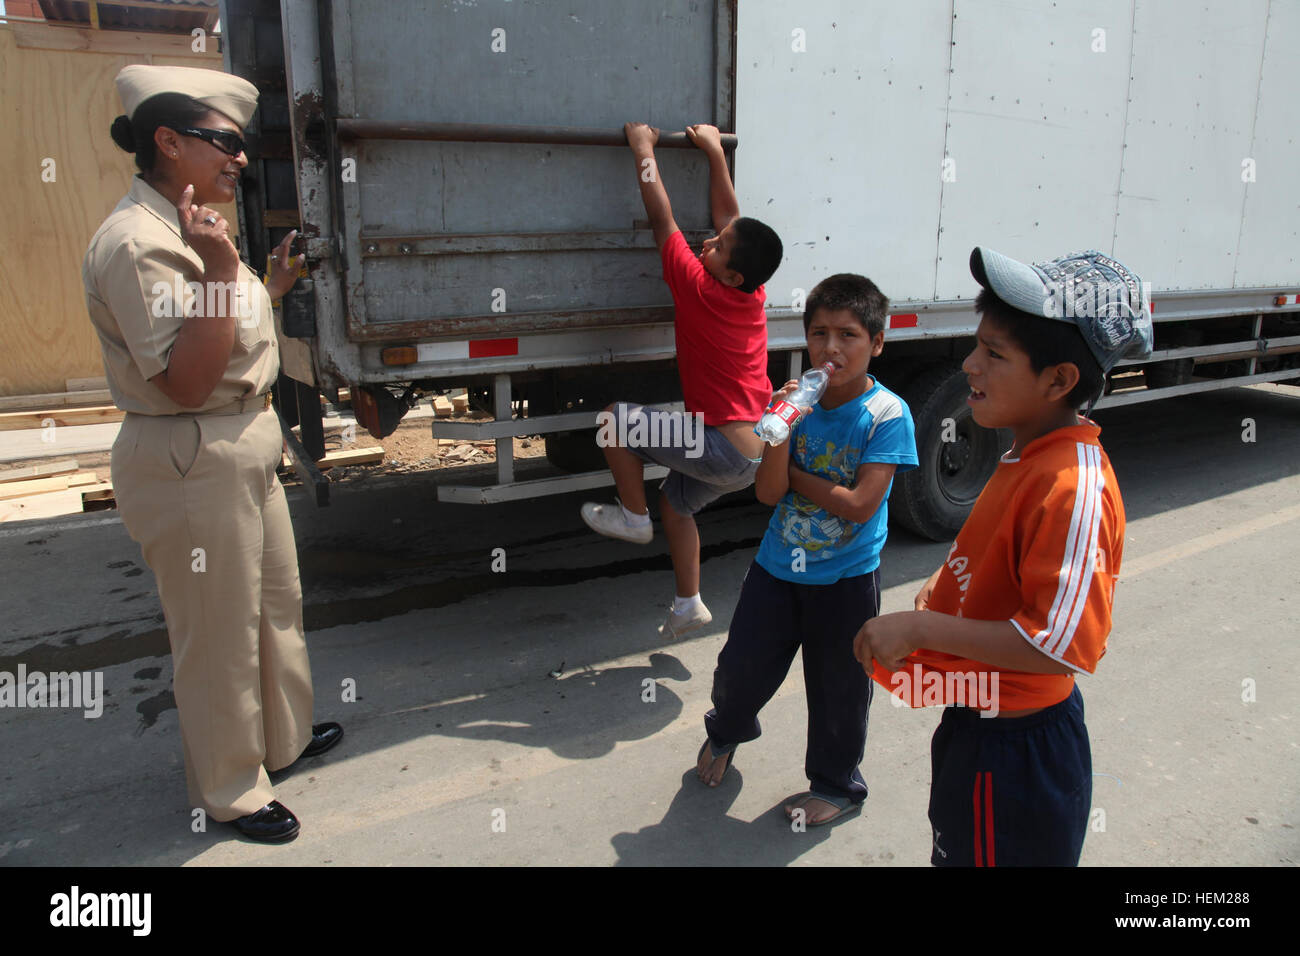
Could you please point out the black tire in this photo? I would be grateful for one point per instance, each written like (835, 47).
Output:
(1177, 371)
(934, 499)
(574, 451)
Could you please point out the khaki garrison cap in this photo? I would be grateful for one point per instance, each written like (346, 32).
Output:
(231, 95)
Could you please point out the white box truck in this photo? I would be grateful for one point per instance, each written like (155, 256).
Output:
(471, 218)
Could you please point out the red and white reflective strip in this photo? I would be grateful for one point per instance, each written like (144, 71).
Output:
(472, 349)
(903, 320)
(1287, 299)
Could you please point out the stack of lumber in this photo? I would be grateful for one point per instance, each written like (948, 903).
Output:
(370, 455)
(50, 489)
(444, 406)
(86, 402)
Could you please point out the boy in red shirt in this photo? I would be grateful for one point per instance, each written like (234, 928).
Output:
(1023, 601)
(721, 339)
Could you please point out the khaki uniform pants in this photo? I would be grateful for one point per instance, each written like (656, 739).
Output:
(200, 495)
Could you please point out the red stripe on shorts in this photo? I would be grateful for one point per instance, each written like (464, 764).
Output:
(988, 815)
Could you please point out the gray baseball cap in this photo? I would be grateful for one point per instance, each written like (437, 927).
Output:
(1103, 298)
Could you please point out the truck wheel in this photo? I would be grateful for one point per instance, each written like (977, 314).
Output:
(1177, 371)
(574, 451)
(934, 499)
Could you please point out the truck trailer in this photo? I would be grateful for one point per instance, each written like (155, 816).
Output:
(468, 210)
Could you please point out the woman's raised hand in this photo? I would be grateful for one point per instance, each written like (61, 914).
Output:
(204, 230)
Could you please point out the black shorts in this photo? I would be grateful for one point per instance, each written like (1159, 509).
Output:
(1013, 791)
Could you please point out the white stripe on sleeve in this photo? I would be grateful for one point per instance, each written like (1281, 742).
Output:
(1089, 565)
(1076, 571)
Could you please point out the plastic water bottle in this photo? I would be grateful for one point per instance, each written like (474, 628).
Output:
(774, 427)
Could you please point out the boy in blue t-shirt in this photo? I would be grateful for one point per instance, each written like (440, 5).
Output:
(817, 574)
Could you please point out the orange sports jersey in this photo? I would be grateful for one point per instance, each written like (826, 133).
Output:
(1041, 549)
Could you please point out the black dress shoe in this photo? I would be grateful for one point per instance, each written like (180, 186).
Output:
(274, 823)
(323, 737)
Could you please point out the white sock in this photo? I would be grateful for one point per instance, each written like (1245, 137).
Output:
(683, 604)
(635, 520)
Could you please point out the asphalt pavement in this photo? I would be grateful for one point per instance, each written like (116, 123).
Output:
(533, 715)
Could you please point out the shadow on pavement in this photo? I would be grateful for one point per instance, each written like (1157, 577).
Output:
(697, 831)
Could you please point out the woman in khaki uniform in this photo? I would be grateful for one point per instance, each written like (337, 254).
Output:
(190, 353)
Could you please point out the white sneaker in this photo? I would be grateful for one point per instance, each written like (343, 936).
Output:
(678, 624)
(610, 521)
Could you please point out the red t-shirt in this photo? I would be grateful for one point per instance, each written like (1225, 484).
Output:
(1041, 549)
(721, 337)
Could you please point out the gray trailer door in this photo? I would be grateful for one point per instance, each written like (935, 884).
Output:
(445, 222)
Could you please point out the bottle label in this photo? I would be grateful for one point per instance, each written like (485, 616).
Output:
(786, 412)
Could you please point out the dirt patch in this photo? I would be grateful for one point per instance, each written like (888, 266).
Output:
(413, 449)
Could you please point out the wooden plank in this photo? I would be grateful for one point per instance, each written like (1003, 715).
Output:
(92, 415)
(49, 36)
(14, 403)
(149, 5)
(42, 506)
(64, 466)
(442, 406)
(353, 456)
(86, 384)
(37, 486)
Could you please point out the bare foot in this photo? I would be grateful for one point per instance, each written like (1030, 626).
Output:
(816, 810)
(711, 769)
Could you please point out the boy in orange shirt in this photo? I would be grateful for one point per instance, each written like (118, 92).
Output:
(1023, 601)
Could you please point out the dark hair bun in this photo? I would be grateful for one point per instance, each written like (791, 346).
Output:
(122, 135)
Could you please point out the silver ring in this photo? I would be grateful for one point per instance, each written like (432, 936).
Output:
(275, 258)
(211, 220)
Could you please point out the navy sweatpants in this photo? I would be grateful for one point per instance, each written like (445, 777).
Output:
(773, 619)
(1012, 791)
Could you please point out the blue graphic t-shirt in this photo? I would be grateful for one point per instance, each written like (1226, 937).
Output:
(875, 426)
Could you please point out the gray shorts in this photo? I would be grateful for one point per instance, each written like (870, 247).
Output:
(703, 465)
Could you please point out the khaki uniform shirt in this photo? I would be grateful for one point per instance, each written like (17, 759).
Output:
(137, 272)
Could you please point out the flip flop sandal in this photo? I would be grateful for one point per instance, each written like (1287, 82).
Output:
(843, 807)
(731, 754)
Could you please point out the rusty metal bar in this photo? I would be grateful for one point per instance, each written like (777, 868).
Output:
(317, 485)
(355, 129)
(506, 323)
(477, 243)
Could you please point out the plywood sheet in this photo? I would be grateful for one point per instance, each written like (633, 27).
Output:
(58, 106)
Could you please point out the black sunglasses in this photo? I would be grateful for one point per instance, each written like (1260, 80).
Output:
(229, 143)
